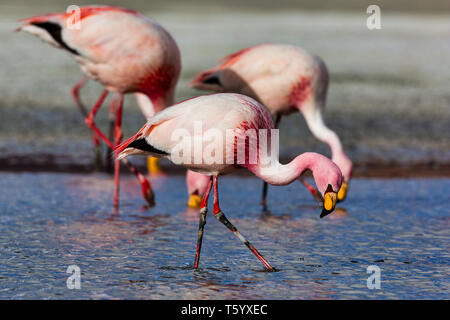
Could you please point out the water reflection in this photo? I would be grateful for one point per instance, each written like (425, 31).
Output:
(140, 252)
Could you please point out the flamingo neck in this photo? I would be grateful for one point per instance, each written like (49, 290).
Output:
(151, 105)
(276, 173)
(163, 101)
(314, 120)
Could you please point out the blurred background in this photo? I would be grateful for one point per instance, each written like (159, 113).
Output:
(389, 96)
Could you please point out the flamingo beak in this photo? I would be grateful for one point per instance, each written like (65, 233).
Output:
(194, 201)
(329, 203)
(342, 194)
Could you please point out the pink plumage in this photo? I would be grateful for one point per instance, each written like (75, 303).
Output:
(223, 113)
(196, 182)
(285, 79)
(124, 51)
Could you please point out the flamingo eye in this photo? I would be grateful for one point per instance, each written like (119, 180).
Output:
(212, 80)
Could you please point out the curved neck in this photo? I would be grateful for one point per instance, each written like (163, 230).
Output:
(276, 173)
(314, 120)
(313, 117)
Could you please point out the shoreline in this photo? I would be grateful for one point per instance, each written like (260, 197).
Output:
(59, 164)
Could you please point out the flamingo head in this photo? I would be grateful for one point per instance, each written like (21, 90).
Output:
(328, 178)
(209, 80)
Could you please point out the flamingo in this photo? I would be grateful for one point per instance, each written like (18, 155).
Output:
(124, 51)
(222, 113)
(285, 79)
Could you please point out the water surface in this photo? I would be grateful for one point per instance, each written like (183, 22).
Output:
(51, 221)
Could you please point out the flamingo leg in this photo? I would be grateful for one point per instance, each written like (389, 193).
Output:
(202, 222)
(91, 123)
(316, 194)
(145, 184)
(118, 135)
(146, 188)
(221, 217)
(112, 121)
(265, 185)
(76, 97)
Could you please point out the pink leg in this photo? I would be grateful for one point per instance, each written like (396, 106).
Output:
(91, 123)
(146, 188)
(76, 97)
(201, 226)
(112, 118)
(315, 193)
(118, 135)
(145, 184)
(221, 217)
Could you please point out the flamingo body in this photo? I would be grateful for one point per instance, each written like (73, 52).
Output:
(124, 51)
(120, 48)
(225, 112)
(285, 79)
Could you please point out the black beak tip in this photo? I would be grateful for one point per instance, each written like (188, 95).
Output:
(325, 212)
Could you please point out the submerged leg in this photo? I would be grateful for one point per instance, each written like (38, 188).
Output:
(221, 217)
(265, 185)
(201, 226)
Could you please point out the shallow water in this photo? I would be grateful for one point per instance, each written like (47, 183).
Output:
(51, 221)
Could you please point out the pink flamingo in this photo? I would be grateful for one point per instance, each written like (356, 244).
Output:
(222, 113)
(123, 50)
(285, 79)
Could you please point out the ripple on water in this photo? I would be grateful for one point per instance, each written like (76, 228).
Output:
(51, 221)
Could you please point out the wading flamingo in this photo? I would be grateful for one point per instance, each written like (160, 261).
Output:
(123, 50)
(222, 113)
(285, 79)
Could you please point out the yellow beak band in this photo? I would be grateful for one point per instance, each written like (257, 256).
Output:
(153, 165)
(329, 201)
(194, 201)
(343, 191)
